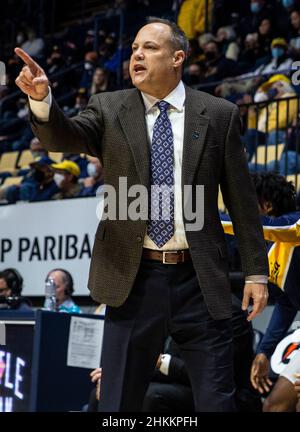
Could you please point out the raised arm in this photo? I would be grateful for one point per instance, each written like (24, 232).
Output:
(81, 134)
(32, 79)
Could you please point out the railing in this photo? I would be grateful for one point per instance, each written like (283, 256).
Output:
(280, 150)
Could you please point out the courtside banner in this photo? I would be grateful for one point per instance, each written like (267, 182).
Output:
(37, 237)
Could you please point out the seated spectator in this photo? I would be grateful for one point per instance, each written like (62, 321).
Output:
(100, 82)
(11, 286)
(226, 38)
(274, 118)
(283, 397)
(277, 203)
(260, 9)
(193, 73)
(36, 148)
(90, 64)
(294, 44)
(66, 175)
(247, 82)
(80, 103)
(64, 286)
(37, 185)
(265, 35)
(55, 61)
(45, 186)
(95, 180)
(34, 46)
(217, 66)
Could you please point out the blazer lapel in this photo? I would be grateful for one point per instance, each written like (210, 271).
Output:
(195, 129)
(132, 119)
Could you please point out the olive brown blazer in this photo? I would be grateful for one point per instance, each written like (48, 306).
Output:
(113, 128)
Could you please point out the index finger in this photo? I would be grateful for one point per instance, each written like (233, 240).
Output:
(26, 58)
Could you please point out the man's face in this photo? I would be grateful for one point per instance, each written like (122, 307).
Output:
(152, 59)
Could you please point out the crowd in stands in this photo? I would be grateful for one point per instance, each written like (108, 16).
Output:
(242, 52)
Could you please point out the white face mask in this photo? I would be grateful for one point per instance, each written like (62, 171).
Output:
(260, 97)
(91, 170)
(58, 178)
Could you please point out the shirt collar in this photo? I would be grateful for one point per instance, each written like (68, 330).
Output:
(176, 98)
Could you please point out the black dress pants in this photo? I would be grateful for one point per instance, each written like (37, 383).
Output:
(165, 300)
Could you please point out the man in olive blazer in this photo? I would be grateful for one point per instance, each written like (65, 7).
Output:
(115, 128)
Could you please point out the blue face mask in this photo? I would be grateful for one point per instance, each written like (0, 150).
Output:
(287, 3)
(272, 93)
(277, 52)
(255, 7)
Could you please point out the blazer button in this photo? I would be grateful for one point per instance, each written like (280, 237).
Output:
(139, 239)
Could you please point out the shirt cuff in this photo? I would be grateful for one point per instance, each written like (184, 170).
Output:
(257, 279)
(41, 109)
(165, 362)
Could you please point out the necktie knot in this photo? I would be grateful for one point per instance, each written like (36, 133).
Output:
(163, 106)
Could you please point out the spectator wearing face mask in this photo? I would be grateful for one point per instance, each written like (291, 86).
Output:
(37, 185)
(275, 117)
(66, 176)
(217, 66)
(280, 62)
(95, 180)
(44, 187)
(259, 10)
(226, 37)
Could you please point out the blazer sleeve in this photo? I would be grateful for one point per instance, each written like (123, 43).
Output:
(241, 201)
(80, 134)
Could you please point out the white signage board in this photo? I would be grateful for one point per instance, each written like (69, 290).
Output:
(38, 237)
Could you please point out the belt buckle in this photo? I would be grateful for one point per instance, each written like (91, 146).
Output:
(169, 252)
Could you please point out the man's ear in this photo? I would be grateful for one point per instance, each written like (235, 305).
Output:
(178, 58)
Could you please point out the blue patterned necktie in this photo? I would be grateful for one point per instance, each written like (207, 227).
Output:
(161, 205)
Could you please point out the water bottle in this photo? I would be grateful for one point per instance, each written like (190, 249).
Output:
(50, 297)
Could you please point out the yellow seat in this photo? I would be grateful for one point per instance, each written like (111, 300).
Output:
(295, 178)
(267, 153)
(25, 159)
(56, 156)
(8, 162)
(10, 181)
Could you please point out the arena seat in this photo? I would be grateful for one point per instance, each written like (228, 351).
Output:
(266, 154)
(10, 181)
(8, 162)
(25, 159)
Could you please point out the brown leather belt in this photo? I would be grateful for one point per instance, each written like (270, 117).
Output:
(167, 257)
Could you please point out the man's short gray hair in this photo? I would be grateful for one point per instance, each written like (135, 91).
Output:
(179, 40)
